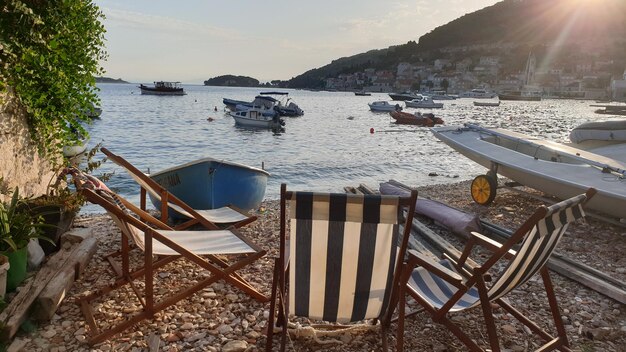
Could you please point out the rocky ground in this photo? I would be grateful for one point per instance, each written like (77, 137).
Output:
(222, 318)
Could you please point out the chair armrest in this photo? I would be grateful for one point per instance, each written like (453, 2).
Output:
(491, 244)
(416, 258)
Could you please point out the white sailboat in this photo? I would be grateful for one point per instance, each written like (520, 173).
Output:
(554, 168)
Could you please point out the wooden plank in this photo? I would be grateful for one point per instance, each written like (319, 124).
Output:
(366, 189)
(439, 243)
(53, 294)
(587, 279)
(17, 310)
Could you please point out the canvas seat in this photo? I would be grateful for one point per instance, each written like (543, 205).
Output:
(340, 260)
(442, 287)
(209, 218)
(153, 238)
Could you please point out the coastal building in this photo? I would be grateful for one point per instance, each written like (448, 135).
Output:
(618, 88)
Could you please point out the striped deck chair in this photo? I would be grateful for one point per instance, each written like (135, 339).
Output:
(342, 259)
(209, 218)
(161, 245)
(443, 287)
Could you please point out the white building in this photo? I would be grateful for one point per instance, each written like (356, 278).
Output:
(618, 88)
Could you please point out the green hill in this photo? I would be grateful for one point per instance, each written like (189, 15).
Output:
(584, 30)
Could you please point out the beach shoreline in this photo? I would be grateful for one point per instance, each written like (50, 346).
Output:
(219, 314)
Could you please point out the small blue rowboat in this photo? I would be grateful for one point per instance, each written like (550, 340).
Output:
(210, 184)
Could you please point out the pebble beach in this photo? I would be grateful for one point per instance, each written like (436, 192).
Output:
(222, 318)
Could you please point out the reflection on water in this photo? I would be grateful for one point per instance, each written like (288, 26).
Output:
(326, 149)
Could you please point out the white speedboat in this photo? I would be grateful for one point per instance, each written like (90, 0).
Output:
(553, 168)
(255, 117)
(424, 103)
(384, 106)
(478, 94)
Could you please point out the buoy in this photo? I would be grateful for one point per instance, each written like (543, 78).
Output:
(210, 119)
(195, 101)
(372, 130)
(215, 109)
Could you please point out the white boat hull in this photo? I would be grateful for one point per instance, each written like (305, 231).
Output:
(73, 150)
(544, 169)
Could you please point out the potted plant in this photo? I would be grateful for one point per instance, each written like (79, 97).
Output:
(17, 227)
(60, 205)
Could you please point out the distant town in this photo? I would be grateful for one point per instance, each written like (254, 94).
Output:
(584, 80)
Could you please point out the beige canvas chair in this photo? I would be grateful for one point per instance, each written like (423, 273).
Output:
(442, 288)
(340, 261)
(160, 245)
(209, 218)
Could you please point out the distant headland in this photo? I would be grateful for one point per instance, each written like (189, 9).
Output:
(109, 80)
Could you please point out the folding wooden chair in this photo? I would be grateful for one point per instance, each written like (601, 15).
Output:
(342, 259)
(444, 287)
(209, 218)
(169, 245)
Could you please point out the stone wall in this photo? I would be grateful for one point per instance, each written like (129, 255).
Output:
(20, 164)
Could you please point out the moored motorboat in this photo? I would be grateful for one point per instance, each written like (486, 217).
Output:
(256, 117)
(424, 102)
(478, 93)
(211, 183)
(362, 94)
(553, 168)
(404, 96)
(418, 119)
(75, 149)
(487, 103)
(163, 88)
(519, 96)
(384, 106)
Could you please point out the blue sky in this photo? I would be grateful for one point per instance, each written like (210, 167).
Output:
(193, 40)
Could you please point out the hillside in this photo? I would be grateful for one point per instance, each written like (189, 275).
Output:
(581, 28)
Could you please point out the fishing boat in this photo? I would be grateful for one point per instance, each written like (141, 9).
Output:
(384, 106)
(264, 100)
(424, 102)
(256, 117)
(550, 167)
(211, 183)
(418, 119)
(163, 88)
(487, 103)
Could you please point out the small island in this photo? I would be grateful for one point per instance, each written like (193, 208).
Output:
(109, 80)
(232, 81)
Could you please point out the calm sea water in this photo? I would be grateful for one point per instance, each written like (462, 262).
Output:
(326, 149)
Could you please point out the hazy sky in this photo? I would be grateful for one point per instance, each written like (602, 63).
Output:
(193, 40)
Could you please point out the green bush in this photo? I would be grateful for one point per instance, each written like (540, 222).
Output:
(49, 55)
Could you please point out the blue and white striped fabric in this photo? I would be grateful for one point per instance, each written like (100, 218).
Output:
(342, 251)
(437, 291)
(535, 250)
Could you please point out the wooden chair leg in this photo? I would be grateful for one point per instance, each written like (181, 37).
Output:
(554, 307)
(270, 321)
(401, 313)
(488, 314)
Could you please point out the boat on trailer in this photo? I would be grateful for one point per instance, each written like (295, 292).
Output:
(550, 167)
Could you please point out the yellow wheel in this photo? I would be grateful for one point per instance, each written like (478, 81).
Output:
(484, 189)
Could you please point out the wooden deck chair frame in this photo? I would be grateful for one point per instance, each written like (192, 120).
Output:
(282, 267)
(454, 276)
(218, 268)
(167, 199)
